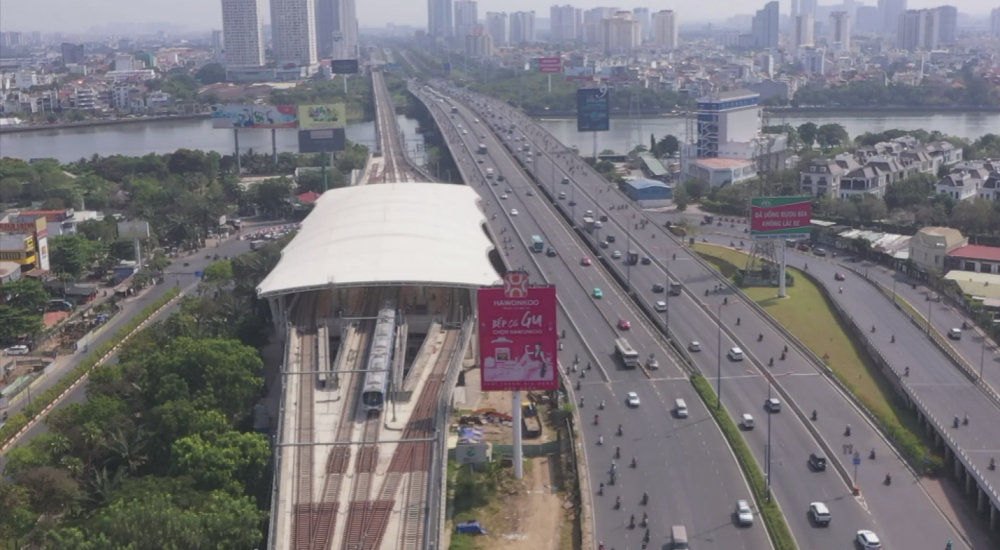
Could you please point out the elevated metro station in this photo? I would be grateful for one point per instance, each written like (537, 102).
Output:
(375, 299)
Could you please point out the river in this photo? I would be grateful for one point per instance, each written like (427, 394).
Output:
(137, 139)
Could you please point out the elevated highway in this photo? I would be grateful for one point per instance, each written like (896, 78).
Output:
(703, 492)
(692, 316)
(389, 163)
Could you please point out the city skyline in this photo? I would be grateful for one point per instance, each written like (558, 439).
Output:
(198, 15)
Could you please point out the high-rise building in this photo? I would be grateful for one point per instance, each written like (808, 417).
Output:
(795, 11)
(497, 28)
(439, 20)
(293, 32)
(665, 29)
(814, 61)
(808, 7)
(218, 46)
(72, 54)
(919, 30)
(478, 43)
(765, 26)
(995, 21)
(562, 21)
(243, 32)
(466, 17)
(889, 13)
(840, 31)
(802, 31)
(642, 16)
(867, 19)
(620, 32)
(593, 21)
(522, 27)
(726, 117)
(336, 29)
(947, 24)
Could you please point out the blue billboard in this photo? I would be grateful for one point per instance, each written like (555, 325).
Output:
(593, 109)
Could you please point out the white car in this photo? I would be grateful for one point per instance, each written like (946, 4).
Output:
(744, 515)
(735, 354)
(694, 346)
(868, 540)
(632, 399)
(616, 255)
(503, 197)
(513, 211)
(17, 350)
(465, 132)
(660, 306)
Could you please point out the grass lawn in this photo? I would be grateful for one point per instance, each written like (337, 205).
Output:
(813, 321)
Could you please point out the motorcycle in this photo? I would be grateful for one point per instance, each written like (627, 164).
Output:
(888, 479)
(601, 406)
(760, 337)
(645, 498)
(618, 452)
(871, 456)
(873, 329)
(620, 429)
(618, 503)
(848, 430)
(814, 415)
(631, 522)
(993, 464)
(634, 465)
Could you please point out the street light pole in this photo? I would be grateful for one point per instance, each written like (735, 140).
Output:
(718, 357)
(767, 455)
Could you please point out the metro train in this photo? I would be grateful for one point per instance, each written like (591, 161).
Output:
(379, 361)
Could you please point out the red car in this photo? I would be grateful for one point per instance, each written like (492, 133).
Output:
(623, 324)
(839, 277)
(585, 261)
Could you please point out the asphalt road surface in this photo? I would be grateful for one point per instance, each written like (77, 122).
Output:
(704, 497)
(887, 510)
(176, 275)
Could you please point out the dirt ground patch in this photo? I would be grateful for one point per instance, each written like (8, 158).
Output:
(531, 516)
(500, 432)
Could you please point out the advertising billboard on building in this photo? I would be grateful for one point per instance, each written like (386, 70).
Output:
(344, 66)
(322, 117)
(550, 64)
(517, 336)
(253, 116)
(133, 230)
(593, 109)
(780, 217)
(579, 74)
(616, 73)
(322, 141)
(43, 253)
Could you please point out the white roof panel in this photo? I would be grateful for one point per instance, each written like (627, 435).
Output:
(405, 233)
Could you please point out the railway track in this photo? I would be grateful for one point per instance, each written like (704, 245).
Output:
(305, 512)
(394, 167)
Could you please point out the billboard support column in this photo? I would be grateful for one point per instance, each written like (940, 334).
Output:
(781, 273)
(345, 84)
(274, 146)
(323, 171)
(518, 451)
(595, 149)
(550, 83)
(236, 139)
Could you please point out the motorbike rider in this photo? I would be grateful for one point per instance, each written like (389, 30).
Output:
(633, 462)
(620, 429)
(848, 430)
(601, 406)
(618, 452)
(814, 414)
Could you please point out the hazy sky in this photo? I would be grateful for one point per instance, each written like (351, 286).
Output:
(80, 15)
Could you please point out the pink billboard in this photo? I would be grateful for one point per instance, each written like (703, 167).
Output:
(518, 340)
(550, 64)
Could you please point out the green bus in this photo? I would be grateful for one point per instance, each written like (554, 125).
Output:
(537, 244)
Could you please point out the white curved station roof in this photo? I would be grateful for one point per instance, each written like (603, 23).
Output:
(402, 234)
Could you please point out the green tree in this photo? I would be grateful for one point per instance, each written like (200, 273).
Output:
(72, 254)
(973, 216)
(15, 322)
(910, 191)
(221, 374)
(831, 135)
(26, 294)
(50, 490)
(16, 516)
(695, 188)
(808, 133)
(272, 195)
(681, 198)
(231, 461)
(212, 73)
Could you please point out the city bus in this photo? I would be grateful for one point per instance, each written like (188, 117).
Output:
(537, 244)
(629, 356)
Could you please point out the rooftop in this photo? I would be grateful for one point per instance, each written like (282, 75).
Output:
(977, 252)
(722, 163)
(387, 234)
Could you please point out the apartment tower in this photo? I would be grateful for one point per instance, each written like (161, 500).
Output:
(243, 33)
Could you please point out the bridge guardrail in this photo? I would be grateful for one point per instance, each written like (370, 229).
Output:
(276, 480)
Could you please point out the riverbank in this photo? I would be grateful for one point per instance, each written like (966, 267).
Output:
(89, 123)
(571, 113)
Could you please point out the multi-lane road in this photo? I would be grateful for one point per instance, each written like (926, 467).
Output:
(888, 510)
(704, 497)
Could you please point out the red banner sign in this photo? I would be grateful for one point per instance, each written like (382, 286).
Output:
(518, 340)
(780, 217)
(550, 64)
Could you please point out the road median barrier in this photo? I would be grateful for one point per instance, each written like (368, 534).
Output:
(777, 527)
(43, 402)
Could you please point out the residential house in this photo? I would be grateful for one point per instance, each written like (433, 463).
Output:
(966, 181)
(822, 177)
(874, 178)
(931, 245)
(991, 188)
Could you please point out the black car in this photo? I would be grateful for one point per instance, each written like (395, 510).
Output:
(657, 288)
(551, 252)
(572, 203)
(817, 461)
(610, 238)
(501, 178)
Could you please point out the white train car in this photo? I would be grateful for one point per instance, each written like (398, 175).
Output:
(379, 360)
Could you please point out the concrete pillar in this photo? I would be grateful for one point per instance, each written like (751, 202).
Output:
(981, 499)
(956, 467)
(518, 451)
(937, 436)
(993, 517)
(970, 482)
